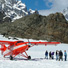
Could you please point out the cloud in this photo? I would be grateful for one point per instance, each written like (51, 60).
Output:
(48, 3)
(46, 12)
(57, 6)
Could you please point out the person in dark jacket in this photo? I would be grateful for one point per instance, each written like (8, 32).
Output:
(46, 54)
(57, 54)
(50, 55)
(60, 55)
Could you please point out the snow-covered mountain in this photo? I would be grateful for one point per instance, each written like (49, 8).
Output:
(15, 9)
(65, 12)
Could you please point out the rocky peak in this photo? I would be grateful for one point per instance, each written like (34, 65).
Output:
(57, 17)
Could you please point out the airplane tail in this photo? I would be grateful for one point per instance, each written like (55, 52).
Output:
(3, 48)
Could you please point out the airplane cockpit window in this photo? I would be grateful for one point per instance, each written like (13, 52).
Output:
(20, 41)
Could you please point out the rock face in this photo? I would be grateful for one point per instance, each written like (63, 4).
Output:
(52, 28)
(2, 15)
(3, 18)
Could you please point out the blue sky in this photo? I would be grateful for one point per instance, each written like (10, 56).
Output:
(37, 4)
(45, 7)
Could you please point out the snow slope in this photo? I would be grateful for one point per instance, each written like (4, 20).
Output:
(37, 54)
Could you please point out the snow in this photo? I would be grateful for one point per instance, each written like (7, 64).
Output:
(22, 4)
(33, 64)
(37, 54)
(65, 13)
(31, 11)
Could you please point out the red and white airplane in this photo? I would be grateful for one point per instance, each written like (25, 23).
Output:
(19, 47)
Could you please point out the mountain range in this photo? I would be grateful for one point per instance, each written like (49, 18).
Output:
(17, 21)
(53, 27)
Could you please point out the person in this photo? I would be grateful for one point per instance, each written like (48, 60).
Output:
(65, 55)
(60, 55)
(46, 54)
(50, 55)
(57, 54)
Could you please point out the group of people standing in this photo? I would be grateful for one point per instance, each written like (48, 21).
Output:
(59, 55)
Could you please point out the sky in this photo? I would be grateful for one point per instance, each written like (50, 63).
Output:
(45, 7)
(36, 4)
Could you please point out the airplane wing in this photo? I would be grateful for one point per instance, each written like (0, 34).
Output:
(45, 43)
(42, 43)
(35, 43)
(7, 42)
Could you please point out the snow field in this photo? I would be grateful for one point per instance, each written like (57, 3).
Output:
(38, 57)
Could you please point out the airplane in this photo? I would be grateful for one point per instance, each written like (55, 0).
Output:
(19, 47)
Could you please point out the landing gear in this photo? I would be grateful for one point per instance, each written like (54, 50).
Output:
(11, 58)
(29, 57)
(25, 55)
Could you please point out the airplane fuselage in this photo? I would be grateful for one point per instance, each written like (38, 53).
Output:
(15, 50)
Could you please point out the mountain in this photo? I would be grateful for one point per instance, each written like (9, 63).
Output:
(15, 9)
(51, 28)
